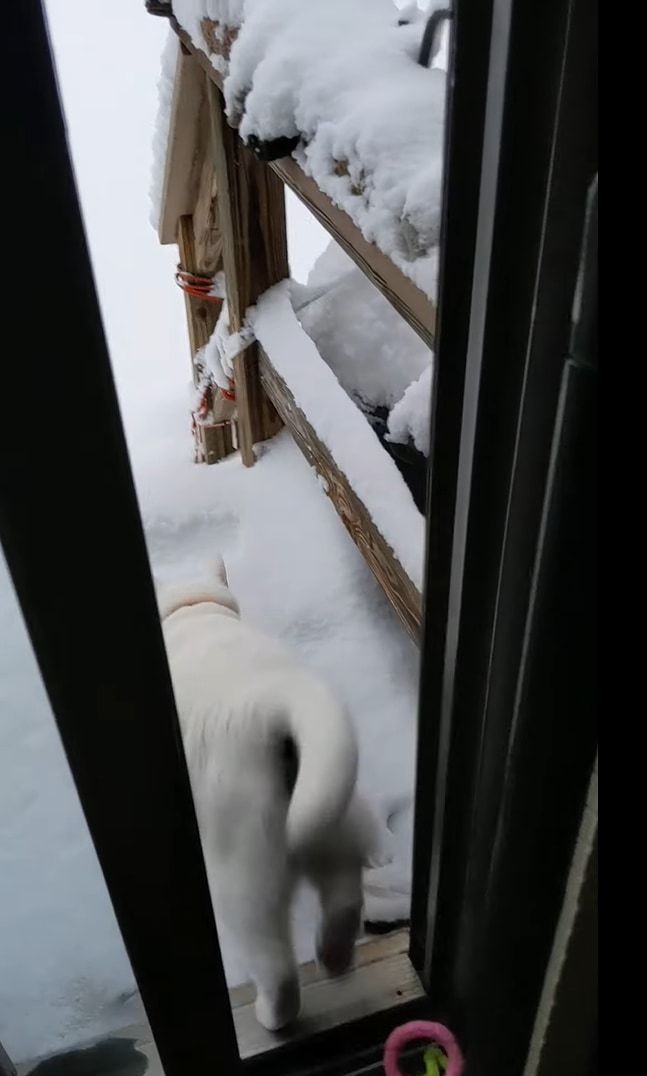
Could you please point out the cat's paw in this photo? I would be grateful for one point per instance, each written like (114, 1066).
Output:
(281, 1008)
(336, 939)
(378, 857)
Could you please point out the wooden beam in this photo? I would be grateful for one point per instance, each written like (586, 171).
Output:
(393, 579)
(199, 56)
(410, 302)
(201, 315)
(189, 217)
(206, 228)
(200, 247)
(215, 437)
(186, 127)
(255, 256)
(382, 978)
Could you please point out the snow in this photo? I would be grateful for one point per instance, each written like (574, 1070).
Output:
(224, 13)
(297, 575)
(341, 427)
(375, 356)
(165, 85)
(410, 419)
(343, 75)
(64, 974)
(371, 349)
(306, 238)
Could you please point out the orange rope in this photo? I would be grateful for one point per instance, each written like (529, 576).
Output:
(197, 286)
(200, 288)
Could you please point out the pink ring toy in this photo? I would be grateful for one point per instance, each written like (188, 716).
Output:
(422, 1029)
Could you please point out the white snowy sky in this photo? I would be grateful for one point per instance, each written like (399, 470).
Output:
(107, 63)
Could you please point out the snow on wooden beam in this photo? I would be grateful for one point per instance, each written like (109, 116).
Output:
(200, 57)
(410, 302)
(391, 576)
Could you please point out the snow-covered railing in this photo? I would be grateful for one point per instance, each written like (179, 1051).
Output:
(406, 297)
(358, 476)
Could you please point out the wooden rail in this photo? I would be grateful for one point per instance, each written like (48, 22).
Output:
(409, 301)
(393, 579)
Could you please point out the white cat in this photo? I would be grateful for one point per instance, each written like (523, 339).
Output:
(273, 763)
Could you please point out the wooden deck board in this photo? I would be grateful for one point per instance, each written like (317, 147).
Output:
(381, 979)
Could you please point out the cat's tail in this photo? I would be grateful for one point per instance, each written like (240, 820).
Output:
(327, 764)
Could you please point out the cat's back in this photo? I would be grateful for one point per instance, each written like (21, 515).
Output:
(202, 637)
(224, 677)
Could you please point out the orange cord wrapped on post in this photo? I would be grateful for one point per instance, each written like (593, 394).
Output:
(201, 287)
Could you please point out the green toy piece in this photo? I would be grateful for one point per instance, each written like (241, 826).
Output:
(435, 1061)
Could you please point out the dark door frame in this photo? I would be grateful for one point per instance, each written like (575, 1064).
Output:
(507, 702)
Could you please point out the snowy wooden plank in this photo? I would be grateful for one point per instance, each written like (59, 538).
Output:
(382, 979)
(255, 256)
(340, 425)
(410, 302)
(378, 554)
(201, 57)
(187, 128)
(206, 227)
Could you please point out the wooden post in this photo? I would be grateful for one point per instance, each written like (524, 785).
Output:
(201, 254)
(189, 216)
(201, 315)
(254, 246)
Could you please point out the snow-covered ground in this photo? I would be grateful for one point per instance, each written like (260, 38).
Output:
(64, 975)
